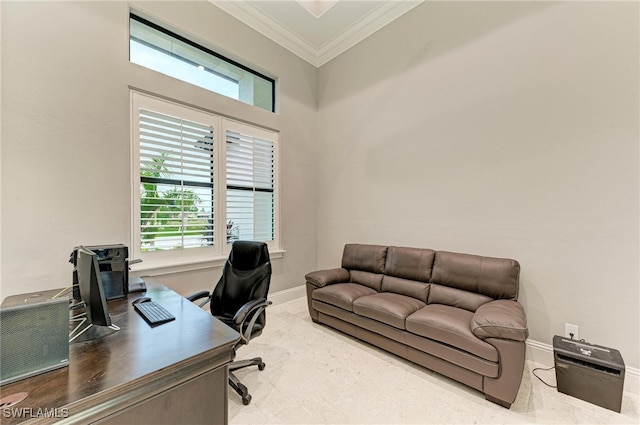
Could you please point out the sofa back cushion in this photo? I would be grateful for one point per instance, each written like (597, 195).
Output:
(372, 280)
(411, 288)
(366, 258)
(408, 271)
(494, 277)
(365, 264)
(409, 263)
(440, 294)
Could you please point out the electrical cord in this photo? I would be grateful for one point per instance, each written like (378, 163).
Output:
(63, 291)
(542, 380)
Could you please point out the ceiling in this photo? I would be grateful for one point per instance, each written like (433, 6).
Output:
(316, 30)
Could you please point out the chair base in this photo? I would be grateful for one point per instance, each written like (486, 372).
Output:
(235, 383)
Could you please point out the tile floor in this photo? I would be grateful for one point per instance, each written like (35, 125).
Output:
(316, 375)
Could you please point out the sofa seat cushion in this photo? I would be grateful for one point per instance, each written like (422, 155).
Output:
(342, 294)
(452, 326)
(387, 307)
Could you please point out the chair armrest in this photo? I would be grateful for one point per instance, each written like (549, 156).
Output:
(503, 319)
(251, 309)
(245, 310)
(322, 278)
(198, 295)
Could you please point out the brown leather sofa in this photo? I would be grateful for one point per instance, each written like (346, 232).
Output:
(456, 314)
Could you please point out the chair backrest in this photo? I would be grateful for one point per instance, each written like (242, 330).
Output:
(246, 276)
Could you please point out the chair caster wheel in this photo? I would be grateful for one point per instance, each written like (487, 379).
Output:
(261, 366)
(246, 399)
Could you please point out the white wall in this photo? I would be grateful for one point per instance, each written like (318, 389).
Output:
(502, 129)
(66, 133)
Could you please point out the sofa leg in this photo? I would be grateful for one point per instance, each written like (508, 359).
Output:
(498, 402)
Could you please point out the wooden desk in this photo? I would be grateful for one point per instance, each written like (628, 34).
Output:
(173, 373)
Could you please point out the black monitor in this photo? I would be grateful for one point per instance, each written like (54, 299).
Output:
(91, 289)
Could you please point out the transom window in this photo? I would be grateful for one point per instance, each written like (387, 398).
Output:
(157, 48)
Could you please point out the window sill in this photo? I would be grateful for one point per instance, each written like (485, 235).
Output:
(151, 268)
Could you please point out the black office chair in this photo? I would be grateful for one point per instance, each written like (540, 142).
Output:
(239, 300)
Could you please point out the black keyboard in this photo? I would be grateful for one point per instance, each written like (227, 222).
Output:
(153, 313)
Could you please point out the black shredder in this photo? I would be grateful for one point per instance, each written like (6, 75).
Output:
(589, 372)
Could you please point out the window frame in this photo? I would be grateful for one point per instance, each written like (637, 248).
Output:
(196, 257)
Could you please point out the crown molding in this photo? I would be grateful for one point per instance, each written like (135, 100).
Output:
(268, 27)
(317, 8)
(362, 29)
(278, 33)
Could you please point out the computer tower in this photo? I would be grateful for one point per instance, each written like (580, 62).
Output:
(34, 335)
(589, 372)
(114, 270)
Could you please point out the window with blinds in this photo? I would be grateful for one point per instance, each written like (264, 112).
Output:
(250, 187)
(180, 156)
(176, 182)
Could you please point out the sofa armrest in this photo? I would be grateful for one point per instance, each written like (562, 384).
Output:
(503, 319)
(322, 278)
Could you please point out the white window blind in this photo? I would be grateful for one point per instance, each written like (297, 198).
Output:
(250, 171)
(176, 182)
(180, 156)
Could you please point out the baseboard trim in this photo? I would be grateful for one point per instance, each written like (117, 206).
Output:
(543, 354)
(286, 295)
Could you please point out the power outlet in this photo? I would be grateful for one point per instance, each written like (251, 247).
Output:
(571, 331)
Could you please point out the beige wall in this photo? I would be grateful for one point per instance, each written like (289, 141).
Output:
(501, 129)
(66, 133)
